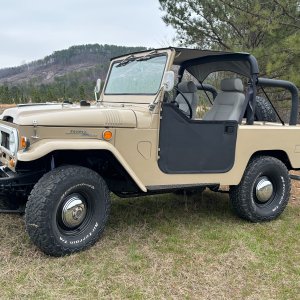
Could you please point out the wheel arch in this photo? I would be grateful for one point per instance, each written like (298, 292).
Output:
(279, 154)
(96, 155)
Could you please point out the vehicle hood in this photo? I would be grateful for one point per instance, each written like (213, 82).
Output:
(70, 115)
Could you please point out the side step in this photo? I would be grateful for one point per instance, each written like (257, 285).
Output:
(295, 177)
(12, 211)
(10, 208)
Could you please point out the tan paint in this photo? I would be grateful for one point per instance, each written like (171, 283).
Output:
(44, 147)
(144, 148)
(250, 139)
(144, 168)
(48, 115)
(136, 135)
(297, 149)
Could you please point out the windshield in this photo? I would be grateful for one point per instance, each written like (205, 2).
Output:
(140, 77)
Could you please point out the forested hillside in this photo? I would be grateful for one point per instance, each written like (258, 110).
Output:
(66, 74)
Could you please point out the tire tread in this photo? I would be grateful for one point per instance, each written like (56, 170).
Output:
(36, 211)
(239, 195)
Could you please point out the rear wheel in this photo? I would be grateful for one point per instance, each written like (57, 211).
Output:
(67, 210)
(264, 190)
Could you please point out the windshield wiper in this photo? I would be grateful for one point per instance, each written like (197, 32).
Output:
(148, 56)
(131, 58)
(125, 61)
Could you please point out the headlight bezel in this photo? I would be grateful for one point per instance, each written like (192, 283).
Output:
(12, 132)
(12, 143)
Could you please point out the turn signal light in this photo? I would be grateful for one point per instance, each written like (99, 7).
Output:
(25, 143)
(12, 163)
(107, 135)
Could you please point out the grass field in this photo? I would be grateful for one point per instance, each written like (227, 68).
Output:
(162, 247)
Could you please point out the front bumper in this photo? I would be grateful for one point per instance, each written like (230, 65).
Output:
(11, 182)
(14, 189)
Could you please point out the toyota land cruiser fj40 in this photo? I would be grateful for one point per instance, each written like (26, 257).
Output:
(148, 133)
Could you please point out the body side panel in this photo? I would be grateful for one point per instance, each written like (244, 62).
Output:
(250, 139)
(137, 151)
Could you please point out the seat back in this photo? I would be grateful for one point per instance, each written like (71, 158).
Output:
(189, 90)
(229, 103)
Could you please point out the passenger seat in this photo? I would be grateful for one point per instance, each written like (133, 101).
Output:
(229, 104)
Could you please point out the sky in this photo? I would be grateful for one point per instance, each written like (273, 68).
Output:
(32, 29)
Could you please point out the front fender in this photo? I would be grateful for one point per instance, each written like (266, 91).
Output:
(44, 147)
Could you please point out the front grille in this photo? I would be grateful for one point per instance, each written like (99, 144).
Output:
(5, 140)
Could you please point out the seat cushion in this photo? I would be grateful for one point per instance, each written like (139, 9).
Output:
(229, 104)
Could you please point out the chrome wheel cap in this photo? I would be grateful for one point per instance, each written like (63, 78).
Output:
(264, 189)
(74, 211)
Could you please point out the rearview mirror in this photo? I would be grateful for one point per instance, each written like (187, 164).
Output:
(169, 81)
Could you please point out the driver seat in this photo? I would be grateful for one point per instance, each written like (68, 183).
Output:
(229, 104)
(189, 90)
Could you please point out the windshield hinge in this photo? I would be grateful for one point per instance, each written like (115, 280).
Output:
(153, 104)
(35, 124)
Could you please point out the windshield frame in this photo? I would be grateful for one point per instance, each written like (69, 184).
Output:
(134, 59)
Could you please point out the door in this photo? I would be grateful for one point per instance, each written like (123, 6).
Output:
(195, 146)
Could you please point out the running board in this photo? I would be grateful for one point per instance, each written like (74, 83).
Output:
(9, 208)
(294, 177)
(12, 211)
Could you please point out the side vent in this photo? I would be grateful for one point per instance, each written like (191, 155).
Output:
(112, 118)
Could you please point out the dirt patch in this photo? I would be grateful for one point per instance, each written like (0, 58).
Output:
(5, 106)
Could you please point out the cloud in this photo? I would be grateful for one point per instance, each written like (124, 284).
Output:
(32, 29)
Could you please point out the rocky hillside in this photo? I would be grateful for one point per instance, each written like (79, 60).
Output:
(66, 74)
(76, 58)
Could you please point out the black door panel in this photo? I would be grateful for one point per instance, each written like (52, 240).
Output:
(191, 146)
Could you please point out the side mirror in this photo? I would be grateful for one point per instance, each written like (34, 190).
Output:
(169, 81)
(97, 88)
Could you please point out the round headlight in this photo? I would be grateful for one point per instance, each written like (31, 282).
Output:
(12, 143)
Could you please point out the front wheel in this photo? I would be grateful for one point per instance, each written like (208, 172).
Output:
(67, 210)
(264, 190)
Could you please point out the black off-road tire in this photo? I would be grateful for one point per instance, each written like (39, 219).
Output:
(264, 110)
(244, 197)
(44, 214)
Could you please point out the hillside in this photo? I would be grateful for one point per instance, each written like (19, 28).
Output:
(69, 73)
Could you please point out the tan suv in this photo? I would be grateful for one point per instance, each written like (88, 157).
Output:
(145, 135)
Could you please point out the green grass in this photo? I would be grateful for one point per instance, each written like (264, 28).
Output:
(162, 247)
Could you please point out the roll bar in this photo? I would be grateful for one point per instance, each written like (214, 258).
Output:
(208, 88)
(265, 82)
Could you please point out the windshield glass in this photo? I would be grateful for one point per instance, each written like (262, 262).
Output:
(136, 76)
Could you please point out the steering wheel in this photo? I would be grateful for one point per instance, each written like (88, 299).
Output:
(187, 102)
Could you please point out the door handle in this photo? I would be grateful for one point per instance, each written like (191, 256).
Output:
(229, 129)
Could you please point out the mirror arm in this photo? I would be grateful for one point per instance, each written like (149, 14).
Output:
(97, 89)
(96, 98)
